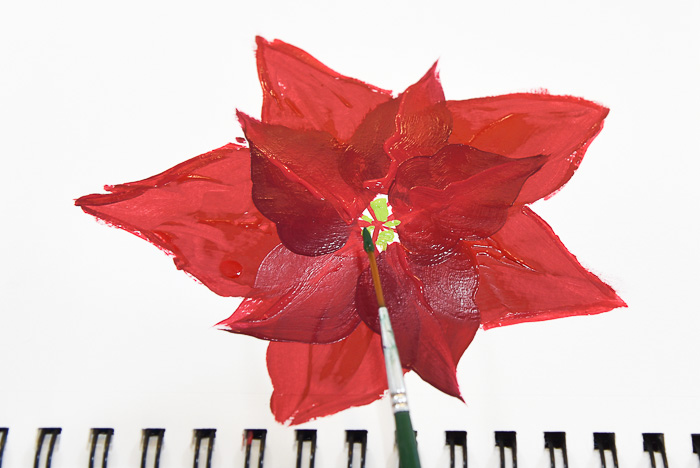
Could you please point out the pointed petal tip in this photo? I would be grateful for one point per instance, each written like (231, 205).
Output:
(446, 384)
(434, 68)
(243, 117)
(247, 122)
(452, 389)
(597, 309)
(222, 326)
(619, 302)
(432, 74)
(262, 44)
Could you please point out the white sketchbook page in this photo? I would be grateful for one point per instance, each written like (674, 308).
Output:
(98, 329)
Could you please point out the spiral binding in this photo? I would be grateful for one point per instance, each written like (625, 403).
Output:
(306, 445)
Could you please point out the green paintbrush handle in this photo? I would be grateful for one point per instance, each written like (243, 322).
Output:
(405, 437)
(406, 441)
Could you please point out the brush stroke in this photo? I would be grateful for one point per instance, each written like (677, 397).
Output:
(279, 224)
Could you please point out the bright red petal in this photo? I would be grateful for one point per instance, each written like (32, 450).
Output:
(423, 123)
(201, 212)
(298, 185)
(526, 274)
(300, 92)
(311, 381)
(303, 299)
(458, 193)
(431, 308)
(522, 125)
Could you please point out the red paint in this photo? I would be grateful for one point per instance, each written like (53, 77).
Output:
(460, 193)
(278, 224)
(303, 298)
(432, 311)
(423, 122)
(522, 125)
(311, 381)
(526, 274)
(230, 268)
(300, 92)
(201, 213)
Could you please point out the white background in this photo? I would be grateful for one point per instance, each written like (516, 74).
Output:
(98, 329)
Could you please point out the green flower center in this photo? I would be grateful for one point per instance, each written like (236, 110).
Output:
(380, 222)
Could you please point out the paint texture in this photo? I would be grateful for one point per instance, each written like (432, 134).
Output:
(278, 223)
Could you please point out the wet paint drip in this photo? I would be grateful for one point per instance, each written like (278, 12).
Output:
(444, 187)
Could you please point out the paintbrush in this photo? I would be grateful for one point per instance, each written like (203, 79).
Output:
(405, 437)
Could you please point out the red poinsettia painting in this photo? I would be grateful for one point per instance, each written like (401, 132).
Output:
(444, 187)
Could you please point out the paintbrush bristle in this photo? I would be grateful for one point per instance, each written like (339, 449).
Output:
(367, 240)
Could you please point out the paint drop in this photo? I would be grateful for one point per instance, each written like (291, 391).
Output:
(230, 268)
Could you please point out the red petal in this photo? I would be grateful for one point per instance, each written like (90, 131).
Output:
(366, 163)
(526, 274)
(201, 212)
(300, 92)
(477, 207)
(431, 308)
(459, 193)
(450, 288)
(419, 235)
(311, 381)
(305, 224)
(423, 123)
(303, 299)
(522, 125)
(298, 185)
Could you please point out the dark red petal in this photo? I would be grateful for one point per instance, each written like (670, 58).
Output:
(526, 274)
(305, 224)
(303, 299)
(309, 158)
(297, 184)
(366, 163)
(478, 206)
(311, 381)
(420, 236)
(522, 125)
(201, 212)
(431, 308)
(300, 92)
(458, 193)
(423, 123)
(450, 288)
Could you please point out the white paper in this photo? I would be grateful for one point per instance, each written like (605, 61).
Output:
(98, 329)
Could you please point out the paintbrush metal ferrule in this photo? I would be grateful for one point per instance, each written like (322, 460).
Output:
(394, 370)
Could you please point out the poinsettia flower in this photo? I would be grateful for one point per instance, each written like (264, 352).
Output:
(444, 187)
